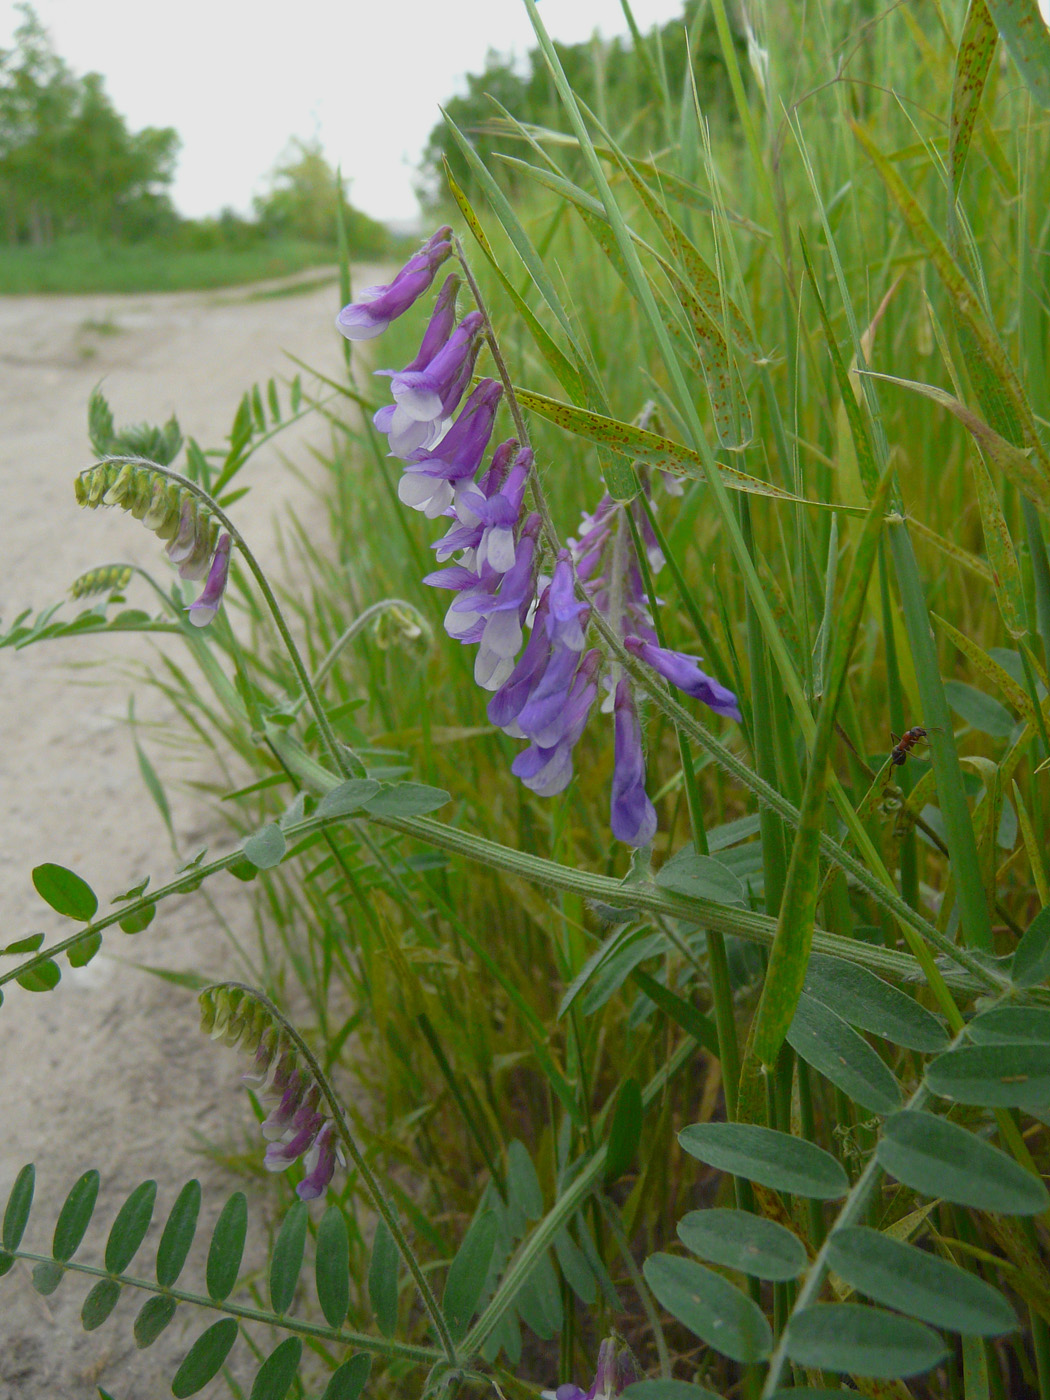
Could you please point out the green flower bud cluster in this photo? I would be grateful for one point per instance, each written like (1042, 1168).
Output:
(107, 578)
(174, 514)
(235, 1015)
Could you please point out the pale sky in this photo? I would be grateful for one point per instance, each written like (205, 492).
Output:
(237, 80)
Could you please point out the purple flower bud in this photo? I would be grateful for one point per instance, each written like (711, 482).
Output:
(203, 609)
(682, 671)
(617, 1369)
(633, 818)
(439, 327)
(365, 319)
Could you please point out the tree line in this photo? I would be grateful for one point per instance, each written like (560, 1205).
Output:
(69, 164)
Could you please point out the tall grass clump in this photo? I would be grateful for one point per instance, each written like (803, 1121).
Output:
(701, 1049)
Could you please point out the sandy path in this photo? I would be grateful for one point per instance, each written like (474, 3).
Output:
(110, 1071)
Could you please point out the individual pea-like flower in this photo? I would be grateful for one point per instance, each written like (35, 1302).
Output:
(684, 672)
(299, 1125)
(616, 1370)
(429, 480)
(365, 319)
(203, 609)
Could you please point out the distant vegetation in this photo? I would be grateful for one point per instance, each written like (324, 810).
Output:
(85, 202)
(628, 74)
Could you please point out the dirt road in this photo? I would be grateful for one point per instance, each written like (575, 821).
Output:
(110, 1070)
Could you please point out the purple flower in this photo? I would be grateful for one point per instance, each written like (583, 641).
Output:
(617, 1369)
(427, 482)
(423, 394)
(633, 817)
(546, 767)
(513, 695)
(682, 671)
(365, 319)
(319, 1163)
(203, 609)
(566, 609)
(496, 511)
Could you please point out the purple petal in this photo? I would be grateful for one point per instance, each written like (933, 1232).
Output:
(633, 817)
(203, 609)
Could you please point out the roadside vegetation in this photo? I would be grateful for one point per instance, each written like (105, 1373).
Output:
(749, 1099)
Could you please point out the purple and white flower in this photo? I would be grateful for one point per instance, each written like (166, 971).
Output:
(369, 317)
(203, 609)
(427, 484)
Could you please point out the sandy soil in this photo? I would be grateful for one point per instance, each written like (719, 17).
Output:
(109, 1070)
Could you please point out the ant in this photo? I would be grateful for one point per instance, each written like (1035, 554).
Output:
(904, 745)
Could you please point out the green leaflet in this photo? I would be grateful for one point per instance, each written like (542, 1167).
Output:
(75, 1216)
(227, 1247)
(332, 1266)
(710, 1307)
(178, 1233)
(838, 1052)
(129, 1229)
(858, 1341)
(942, 1160)
(287, 1257)
(773, 1159)
(736, 1239)
(918, 1283)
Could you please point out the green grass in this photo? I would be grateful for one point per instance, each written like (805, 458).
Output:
(72, 266)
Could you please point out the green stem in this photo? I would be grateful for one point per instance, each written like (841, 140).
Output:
(356, 1341)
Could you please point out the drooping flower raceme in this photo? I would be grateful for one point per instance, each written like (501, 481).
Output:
(544, 682)
(299, 1127)
(175, 515)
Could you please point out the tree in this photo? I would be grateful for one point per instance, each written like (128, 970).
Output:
(68, 162)
(301, 203)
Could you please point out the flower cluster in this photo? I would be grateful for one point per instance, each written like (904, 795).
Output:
(176, 516)
(543, 688)
(298, 1125)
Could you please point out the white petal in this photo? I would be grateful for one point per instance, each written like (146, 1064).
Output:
(503, 633)
(490, 669)
(499, 547)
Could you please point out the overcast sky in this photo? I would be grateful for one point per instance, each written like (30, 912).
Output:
(237, 80)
